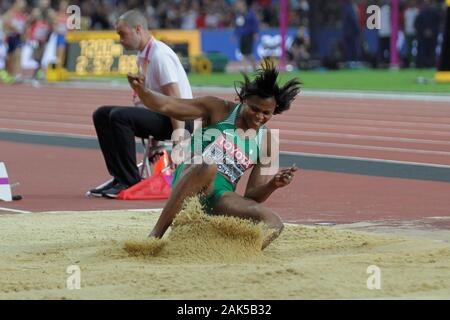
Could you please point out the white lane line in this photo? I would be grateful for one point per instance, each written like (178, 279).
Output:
(295, 120)
(47, 133)
(101, 211)
(372, 117)
(361, 137)
(145, 210)
(361, 147)
(318, 155)
(374, 105)
(46, 123)
(377, 95)
(343, 114)
(285, 123)
(342, 94)
(362, 129)
(14, 210)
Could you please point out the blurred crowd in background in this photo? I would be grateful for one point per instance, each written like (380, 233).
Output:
(176, 14)
(421, 24)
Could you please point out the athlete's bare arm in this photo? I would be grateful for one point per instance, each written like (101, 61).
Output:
(210, 109)
(260, 186)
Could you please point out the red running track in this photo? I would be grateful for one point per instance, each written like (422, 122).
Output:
(55, 178)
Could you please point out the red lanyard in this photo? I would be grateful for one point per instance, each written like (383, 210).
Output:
(144, 66)
(147, 56)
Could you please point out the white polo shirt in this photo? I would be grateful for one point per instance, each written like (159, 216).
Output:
(163, 67)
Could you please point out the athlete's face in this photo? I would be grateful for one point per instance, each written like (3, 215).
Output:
(129, 37)
(257, 111)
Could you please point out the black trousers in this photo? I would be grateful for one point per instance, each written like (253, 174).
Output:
(117, 128)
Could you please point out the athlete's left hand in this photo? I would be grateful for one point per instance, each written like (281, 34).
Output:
(284, 177)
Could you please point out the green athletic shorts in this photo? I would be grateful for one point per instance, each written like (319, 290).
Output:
(221, 185)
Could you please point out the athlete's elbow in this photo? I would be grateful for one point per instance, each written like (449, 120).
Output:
(176, 112)
(164, 109)
(253, 196)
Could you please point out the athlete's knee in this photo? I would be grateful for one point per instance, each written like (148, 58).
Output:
(203, 173)
(267, 215)
(276, 221)
(206, 171)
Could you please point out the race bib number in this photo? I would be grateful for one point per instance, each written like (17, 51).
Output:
(230, 159)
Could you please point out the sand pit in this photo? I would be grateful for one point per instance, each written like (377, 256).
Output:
(209, 258)
(197, 237)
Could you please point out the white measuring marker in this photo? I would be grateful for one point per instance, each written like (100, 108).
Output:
(5, 187)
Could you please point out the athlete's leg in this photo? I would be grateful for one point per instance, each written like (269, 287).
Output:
(193, 180)
(232, 204)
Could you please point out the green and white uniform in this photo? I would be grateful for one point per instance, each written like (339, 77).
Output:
(220, 144)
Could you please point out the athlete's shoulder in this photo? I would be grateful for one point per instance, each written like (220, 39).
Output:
(216, 103)
(230, 105)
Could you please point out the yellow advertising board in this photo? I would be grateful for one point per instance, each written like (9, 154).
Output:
(99, 53)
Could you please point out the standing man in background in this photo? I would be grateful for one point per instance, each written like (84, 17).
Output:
(427, 27)
(118, 126)
(15, 24)
(60, 28)
(411, 13)
(4, 76)
(41, 27)
(350, 31)
(384, 35)
(246, 31)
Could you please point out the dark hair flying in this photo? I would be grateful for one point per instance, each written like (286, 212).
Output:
(265, 86)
